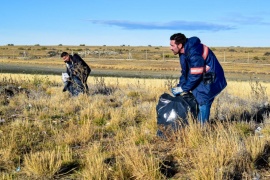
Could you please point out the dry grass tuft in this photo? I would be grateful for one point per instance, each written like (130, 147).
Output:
(45, 164)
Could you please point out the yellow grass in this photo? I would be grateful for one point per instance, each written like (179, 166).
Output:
(237, 88)
(113, 136)
(94, 166)
(46, 163)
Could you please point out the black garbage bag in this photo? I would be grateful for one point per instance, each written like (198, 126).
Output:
(174, 111)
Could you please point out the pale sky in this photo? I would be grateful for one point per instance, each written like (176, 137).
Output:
(244, 23)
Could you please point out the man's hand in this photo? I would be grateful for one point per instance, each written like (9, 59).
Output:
(65, 77)
(177, 91)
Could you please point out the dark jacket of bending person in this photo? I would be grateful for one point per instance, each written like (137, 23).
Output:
(78, 70)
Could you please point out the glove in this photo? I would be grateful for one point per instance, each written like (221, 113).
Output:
(65, 77)
(177, 91)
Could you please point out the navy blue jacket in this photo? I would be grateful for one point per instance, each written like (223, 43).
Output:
(193, 66)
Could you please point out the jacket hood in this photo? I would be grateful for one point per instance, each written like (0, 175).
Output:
(192, 42)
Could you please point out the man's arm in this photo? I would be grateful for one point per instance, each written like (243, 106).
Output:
(194, 76)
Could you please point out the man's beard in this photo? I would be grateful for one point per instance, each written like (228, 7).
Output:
(178, 52)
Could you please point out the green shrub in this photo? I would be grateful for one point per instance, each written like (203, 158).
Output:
(267, 54)
(256, 58)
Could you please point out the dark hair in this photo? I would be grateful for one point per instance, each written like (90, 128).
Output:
(179, 38)
(64, 54)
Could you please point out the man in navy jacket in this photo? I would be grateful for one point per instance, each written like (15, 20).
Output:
(202, 74)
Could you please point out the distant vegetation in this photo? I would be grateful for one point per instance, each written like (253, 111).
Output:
(267, 54)
(224, 54)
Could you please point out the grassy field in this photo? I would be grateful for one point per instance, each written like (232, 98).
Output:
(111, 132)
